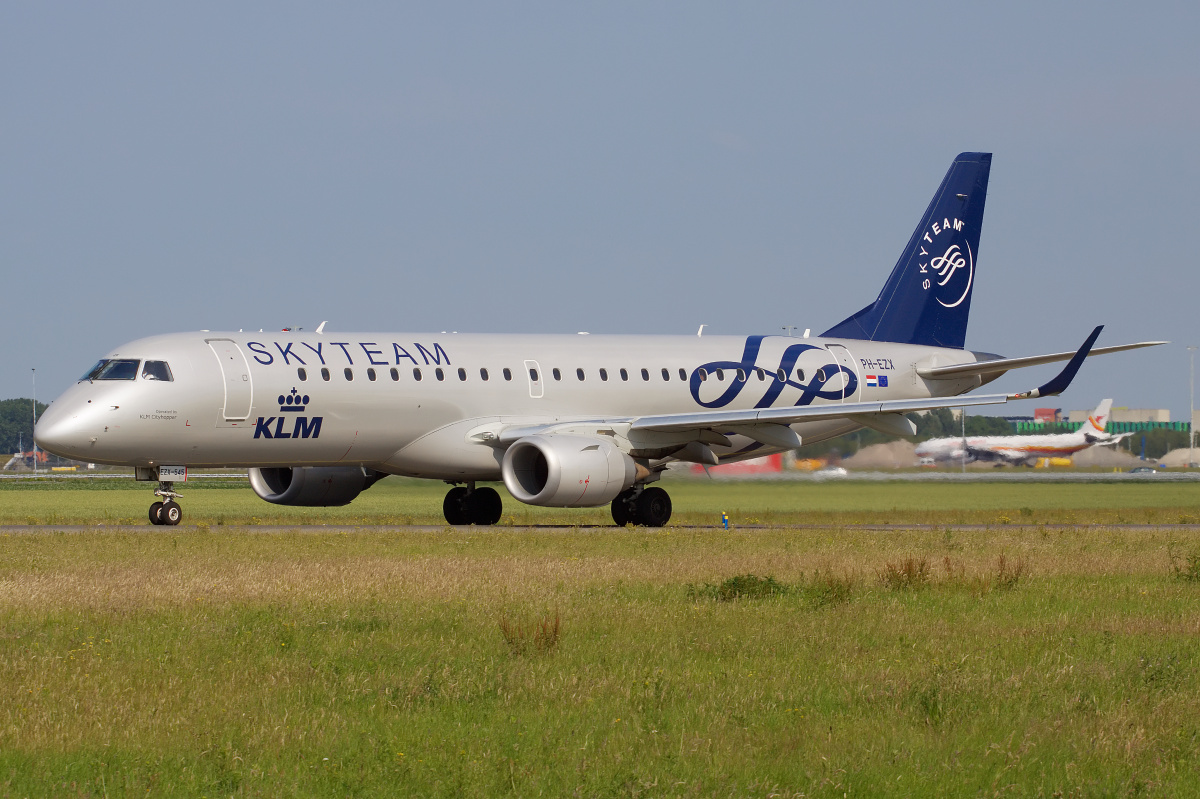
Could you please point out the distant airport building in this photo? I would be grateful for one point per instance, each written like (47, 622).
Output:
(1122, 420)
(1126, 415)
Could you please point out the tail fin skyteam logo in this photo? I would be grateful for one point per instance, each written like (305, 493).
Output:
(950, 270)
(291, 403)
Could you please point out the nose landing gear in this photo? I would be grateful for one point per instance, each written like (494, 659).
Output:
(168, 512)
(470, 505)
(643, 507)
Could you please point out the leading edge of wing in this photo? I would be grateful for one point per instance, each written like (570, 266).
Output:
(808, 413)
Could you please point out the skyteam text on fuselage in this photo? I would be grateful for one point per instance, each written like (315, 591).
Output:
(566, 421)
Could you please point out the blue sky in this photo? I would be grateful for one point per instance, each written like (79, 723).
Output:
(623, 168)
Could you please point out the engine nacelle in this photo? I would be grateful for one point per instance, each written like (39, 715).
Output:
(566, 471)
(315, 486)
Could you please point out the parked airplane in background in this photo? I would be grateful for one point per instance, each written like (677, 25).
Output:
(1018, 450)
(564, 421)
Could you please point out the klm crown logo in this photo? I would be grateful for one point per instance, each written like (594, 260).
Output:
(291, 403)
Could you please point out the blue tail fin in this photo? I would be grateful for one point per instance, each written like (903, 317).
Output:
(927, 298)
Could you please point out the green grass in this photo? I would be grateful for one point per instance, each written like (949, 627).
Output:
(235, 662)
(398, 501)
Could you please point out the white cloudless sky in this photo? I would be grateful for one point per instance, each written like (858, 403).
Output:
(616, 168)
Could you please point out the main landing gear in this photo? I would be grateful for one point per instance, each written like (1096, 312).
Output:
(642, 506)
(470, 505)
(168, 512)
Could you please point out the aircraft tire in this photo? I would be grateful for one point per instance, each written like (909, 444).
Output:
(623, 509)
(156, 513)
(171, 513)
(654, 507)
(486, 506)
(455, 507)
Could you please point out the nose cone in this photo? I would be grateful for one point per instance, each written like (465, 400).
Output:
(59, 431)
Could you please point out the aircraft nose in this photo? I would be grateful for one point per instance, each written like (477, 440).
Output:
(60, 433)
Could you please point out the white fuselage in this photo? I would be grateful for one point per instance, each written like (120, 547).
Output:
(1009, 449)
(238, 399)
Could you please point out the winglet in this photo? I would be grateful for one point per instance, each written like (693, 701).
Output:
(1059, 383)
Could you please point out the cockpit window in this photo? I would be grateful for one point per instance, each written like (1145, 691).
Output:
(115, 369)
(157, 370)
(90, 374)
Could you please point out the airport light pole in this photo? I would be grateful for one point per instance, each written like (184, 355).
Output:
(35, 419)
(1191, 408)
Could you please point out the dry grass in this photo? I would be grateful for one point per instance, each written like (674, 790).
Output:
(234, 662)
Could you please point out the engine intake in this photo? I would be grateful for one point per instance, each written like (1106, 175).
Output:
(314, 486)
(566, 471)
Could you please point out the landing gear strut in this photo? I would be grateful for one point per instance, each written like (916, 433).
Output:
(470, 505)
(167, 512)
(643, 507)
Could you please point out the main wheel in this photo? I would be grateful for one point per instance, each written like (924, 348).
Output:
(171, 513)
(654, 507)
(486, 506)
(455, 507)
(623, 510)
(156, 513)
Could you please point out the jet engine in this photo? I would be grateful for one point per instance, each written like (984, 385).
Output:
(566, 471)
(316, 486)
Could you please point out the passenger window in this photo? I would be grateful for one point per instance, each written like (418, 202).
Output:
(439, 374)
(703, 373)
(800, 375)
(557, 374)
(821, 375)
(645, 375)
(507, 374)
(720, 374)
(761, 375)
(579, 373)
(462, 373)
(300, 373)
(624, 375)
(604, 374)
(157, 370)
(483, 375)
(324, 373)
(683, 374)
(741, 375)
(371, 375)
(417, 375)
(666, 374)
(781, 375)
(395, 373)
(349, 373)
(533, 375)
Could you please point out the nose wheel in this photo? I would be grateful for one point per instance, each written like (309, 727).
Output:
(169, 512)
(470, 505)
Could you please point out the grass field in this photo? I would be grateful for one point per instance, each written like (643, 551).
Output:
(227, 660)
(399, 501)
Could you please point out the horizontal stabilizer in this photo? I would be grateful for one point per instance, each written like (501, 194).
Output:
(999, 366)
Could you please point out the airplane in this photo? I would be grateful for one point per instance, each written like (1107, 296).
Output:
(563, 420)
(1023, 450)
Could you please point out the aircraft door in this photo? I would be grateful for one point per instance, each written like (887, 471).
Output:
(850, 383)
(534, 373)
(235, 370)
